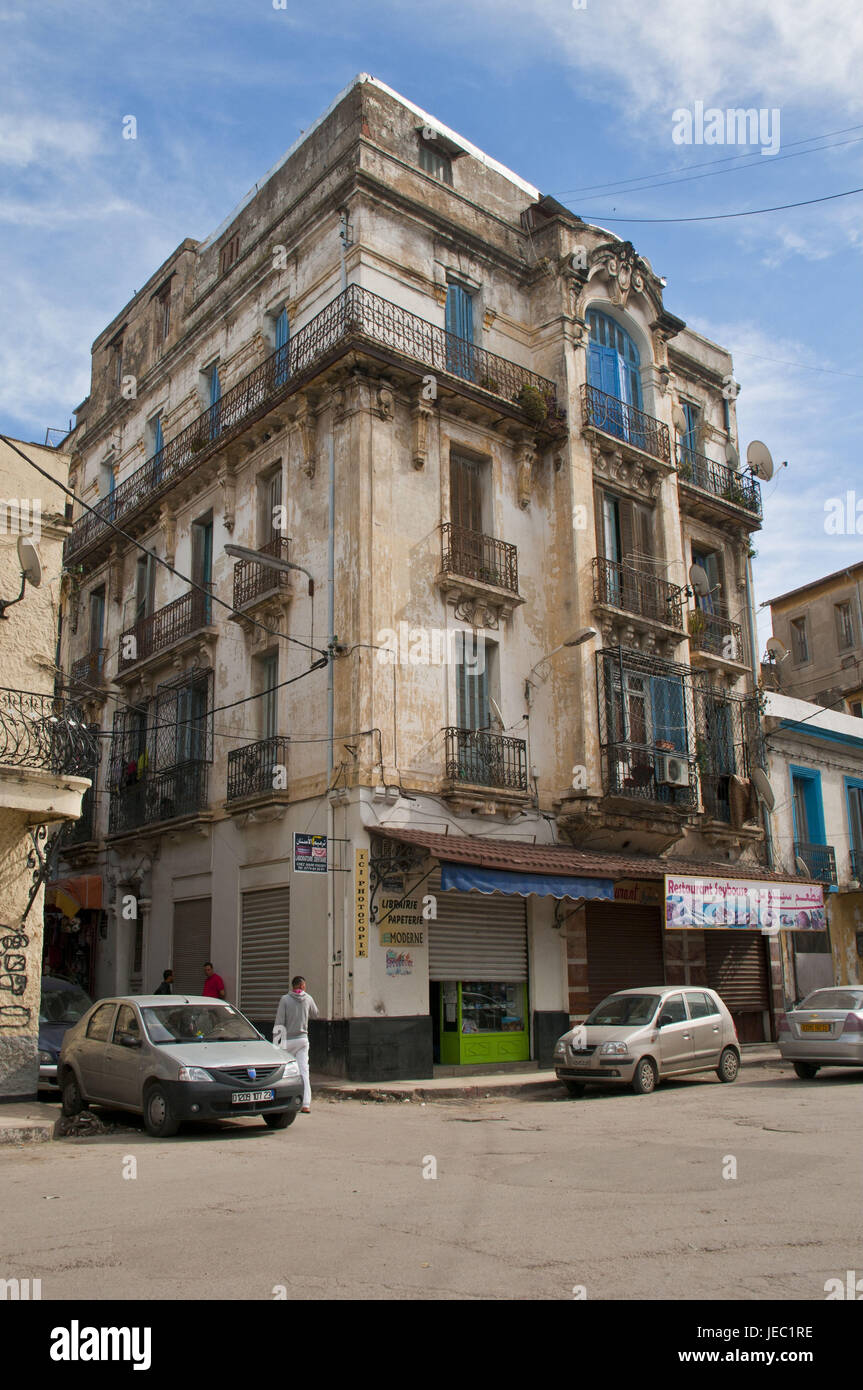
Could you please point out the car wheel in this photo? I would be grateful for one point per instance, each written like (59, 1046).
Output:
(805, 1070)
(574, 1088)
(729, 1065)
(645, 1077)
(159, 1119)
(73, 1101)
(281, 1120)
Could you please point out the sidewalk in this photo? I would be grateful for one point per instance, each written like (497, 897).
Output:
(27, 1122)
(524, 1082)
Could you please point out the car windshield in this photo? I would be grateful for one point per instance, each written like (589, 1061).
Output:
(195, 1023)
(620, 1009)
(833, 999)
(63, 1005)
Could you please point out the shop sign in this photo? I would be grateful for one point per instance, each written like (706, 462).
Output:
(361, 903)
(630, 890)
(310, 853)
(399, 963)
(730, 902)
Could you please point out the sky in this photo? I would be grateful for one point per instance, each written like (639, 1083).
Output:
(577, 98)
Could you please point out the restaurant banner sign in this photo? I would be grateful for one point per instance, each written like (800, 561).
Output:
(738, 902)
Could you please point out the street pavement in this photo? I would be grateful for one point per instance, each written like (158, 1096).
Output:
(749, 1191)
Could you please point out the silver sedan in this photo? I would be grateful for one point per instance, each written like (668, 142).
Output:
(825, 1030)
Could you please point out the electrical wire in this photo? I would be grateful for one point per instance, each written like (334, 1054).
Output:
(724, 216)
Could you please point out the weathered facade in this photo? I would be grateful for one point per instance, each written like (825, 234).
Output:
(44, 748)
(489, 457)
(820, 625)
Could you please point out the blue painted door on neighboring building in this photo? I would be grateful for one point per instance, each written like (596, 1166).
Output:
(613, 369)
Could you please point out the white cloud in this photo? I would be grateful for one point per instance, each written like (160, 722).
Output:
(29, 138)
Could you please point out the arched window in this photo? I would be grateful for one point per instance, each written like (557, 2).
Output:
(613, 361)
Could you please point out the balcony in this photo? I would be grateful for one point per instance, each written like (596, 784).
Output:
(624, 424)
(638, 592)
(184, 617)
(479, 575)
(259, 770)
(83, 830)
(355, 319)
(481, 759)
(820, 860)
(159, 796)
(649, 773)
(713, 635)
(252, 582)
(726, 792)
(88, 670)
(46, 734)
(713, 487)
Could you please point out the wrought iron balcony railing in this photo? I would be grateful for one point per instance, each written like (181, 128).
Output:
(180, 618)
(624, 422)
(47, 733)
(637, 591)
(472, 555)
(649, 773)
(258, 769)
(78, 832)
(710, 632)
(741, 489)
(356, 316)
(717, 765)
(486, 760)
(159, 796)
(820, 860)
(252, 581)
(87, 669)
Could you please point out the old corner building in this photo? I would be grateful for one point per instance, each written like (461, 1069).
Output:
(439, 741)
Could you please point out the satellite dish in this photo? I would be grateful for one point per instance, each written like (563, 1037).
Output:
(760, 460)
(732, 457)
(801, 866)
(495, 709)
(776, 649)
(763, 789)
(678, 416)
(699, 580)
(31, 565)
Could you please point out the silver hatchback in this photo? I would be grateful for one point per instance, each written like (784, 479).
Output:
(637, 1037)
(176, 1057)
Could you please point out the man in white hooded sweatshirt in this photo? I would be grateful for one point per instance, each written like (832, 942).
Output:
(291, 1031)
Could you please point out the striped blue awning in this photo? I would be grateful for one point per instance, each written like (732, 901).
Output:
(470, 877)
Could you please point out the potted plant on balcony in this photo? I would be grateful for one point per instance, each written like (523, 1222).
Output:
(533, 403)
(696, 622)
(733, 491)
(684, 469)
(490, 383)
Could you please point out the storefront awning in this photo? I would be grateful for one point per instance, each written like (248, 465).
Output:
(73, 895)
(471, 877)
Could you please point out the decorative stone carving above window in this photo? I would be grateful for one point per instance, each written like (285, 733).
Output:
(610, 466)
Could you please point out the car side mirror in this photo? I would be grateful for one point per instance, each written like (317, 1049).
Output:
(664, 1020)
(129, 1040)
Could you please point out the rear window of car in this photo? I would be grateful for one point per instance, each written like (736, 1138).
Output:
(100, 1024)
(63, 1005)
(195, 1023)
(620, 1009)
(833, 999)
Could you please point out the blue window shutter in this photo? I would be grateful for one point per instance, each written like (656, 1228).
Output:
(215, 386)
(459, 312)
(669, 714)
(158, 441)
(282, 329)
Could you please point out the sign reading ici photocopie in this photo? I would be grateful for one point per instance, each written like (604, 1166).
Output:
(310, 853)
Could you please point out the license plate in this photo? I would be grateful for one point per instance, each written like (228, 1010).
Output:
(247, 1097)
(815, 1028)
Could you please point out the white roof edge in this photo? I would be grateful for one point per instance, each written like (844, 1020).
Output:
(788, 707)
(427, 119)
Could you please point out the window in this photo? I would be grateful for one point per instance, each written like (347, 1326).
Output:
(799, 641)
(807, 806)
(107, 486)
(270, 513)
(214, 398)
(282, 333)
(155, 438)
(163, 313)
(711, 562)
(434, 163)
(473, 653)
(700, 1005)
(269, 702)
(844, 626)
(202, 562)
(145, 586)
(689, 438)
(673, 1010)
(97, 623)
(854, 789)
(127, 1019)
(469, 483)
(855, 707)
(99, 1026)
(460, 352)
(116, 350)
(229, 254)
(613, 363)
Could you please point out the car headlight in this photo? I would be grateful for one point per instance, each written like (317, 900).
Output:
(614, 1049)
(193, 1074)
(47, 1059)
(560, 1047)
(291, 1069)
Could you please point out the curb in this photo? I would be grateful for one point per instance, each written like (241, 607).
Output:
(26, 1131)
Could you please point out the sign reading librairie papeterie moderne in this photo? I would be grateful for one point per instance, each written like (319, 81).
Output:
(735, 902)
(310, 853)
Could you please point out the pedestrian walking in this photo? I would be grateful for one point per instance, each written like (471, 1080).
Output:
(291, 1031)
(214, 985)
(167, 985)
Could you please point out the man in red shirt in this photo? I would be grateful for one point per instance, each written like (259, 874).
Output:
(214, 985)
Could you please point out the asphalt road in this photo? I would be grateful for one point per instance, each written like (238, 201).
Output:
(622, 1196)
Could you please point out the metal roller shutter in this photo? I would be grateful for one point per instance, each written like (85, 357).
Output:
(265, 973)
(477, 936)
(737, 970)
(624, 949)
(191, 944)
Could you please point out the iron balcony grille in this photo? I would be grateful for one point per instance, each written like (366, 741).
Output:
(486, 760)
(78, 832)
(716, 770)
(741, 489)
(255, 769)
(637, 591)
(649, 773)
(159, 796)
(710, 632)
(472, 555)
(180, 618)
(356, 315)
(622, 421)
(47, 733)
(820, 860)
(252, 581)
(87, 669)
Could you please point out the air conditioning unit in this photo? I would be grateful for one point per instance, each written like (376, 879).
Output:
(673, 770)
